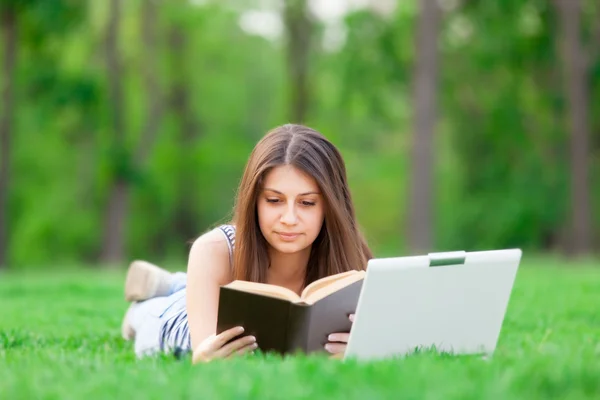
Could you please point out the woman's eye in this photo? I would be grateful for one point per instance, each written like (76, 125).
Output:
(308, 203)
(272, 200)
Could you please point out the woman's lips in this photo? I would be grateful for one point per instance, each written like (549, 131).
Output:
(288, 237)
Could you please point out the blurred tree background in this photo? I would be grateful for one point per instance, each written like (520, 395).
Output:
(465, 124)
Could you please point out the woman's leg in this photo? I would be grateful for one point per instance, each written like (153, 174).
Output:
(152, 291)
(178, 282)
(143, 322)
(145, 281)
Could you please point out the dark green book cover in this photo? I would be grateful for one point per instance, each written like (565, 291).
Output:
(286, 327)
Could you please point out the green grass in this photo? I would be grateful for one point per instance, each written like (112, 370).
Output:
(60, 339)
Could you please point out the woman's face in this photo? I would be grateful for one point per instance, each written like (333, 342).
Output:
(290, 209)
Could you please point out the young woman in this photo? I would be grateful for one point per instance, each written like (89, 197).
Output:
(294, 222)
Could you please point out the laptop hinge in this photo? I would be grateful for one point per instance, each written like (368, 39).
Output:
(447, 258)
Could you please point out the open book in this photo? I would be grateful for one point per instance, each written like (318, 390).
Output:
(285, 322)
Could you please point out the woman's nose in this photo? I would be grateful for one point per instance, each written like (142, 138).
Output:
(289, 217)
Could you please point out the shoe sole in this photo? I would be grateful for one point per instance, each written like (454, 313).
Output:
(141, 280)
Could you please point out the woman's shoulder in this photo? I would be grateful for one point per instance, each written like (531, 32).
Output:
(229, 232)
(213, 249)
(214, 239)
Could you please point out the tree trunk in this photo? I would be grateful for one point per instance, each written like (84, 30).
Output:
(118, 205)
(9, 46)
(114, 235)
(298, 28)
(185, 223)
(180, 94)
(576, 84)
(154, 107)
(425, 81)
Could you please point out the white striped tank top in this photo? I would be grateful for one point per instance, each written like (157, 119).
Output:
(174, 335)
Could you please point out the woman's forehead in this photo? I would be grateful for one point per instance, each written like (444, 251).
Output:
(288, 179)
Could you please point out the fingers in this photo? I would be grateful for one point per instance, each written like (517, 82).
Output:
(339, 337)
(209, 349)
(336, 348)
(339, 347)
(238, 344)
(246, 349)
(211, 346)
(226, 336)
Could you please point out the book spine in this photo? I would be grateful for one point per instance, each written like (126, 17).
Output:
(298, 328)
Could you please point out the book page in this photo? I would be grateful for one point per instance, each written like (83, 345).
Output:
(265, 290)
(316, 285)
(310, 295)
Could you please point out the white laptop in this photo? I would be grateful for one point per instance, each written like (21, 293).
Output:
(451, 302)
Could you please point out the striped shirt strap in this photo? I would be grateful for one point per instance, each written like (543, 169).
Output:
(229, 232)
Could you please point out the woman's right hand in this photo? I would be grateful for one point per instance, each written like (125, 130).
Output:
(217, 346)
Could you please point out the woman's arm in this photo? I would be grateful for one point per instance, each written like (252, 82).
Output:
(208, 269)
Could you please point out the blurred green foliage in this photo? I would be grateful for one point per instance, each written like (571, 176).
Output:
(501, 146)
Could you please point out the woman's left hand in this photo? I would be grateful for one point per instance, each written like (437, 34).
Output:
(337, 342)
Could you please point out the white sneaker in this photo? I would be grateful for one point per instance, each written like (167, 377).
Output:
(145, 281)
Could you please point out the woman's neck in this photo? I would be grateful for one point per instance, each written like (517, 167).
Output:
(288, 270)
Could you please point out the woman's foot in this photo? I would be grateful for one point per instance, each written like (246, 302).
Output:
(145, 281)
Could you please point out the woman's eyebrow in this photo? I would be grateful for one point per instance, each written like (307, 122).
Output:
(301, 194)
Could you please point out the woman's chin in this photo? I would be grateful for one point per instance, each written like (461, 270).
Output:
(288, 247)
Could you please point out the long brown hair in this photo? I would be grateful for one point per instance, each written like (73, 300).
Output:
(340, 246)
